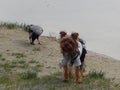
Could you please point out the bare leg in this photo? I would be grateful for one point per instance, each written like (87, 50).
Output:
(65, 73)
(30, 40)
(82, 69)
(77, 75)
(33, 39)
(38, 41)
(70, 70)
(30, 37)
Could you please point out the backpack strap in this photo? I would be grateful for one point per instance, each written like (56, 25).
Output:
(74, 55)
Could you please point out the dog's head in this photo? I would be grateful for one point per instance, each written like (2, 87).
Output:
(67, 43)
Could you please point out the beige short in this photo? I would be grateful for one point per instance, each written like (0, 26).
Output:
(64, 62)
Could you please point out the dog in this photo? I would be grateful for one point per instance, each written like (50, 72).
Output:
(34, 32)
(71, 55)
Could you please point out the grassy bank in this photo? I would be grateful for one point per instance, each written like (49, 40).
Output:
(13, 25)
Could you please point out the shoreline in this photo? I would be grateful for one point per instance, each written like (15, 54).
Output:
(103, 55)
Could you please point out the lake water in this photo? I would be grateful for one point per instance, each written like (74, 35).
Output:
(97, 21)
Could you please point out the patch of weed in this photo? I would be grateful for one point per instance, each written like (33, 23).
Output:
(32, 61)
(36, 49)
(18, 55)
(39, 65)
(21, 61)
(24, 66)
(95, 74)
(29, 75)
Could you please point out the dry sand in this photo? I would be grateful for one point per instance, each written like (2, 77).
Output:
(16, 41)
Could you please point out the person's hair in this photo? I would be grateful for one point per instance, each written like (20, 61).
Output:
(62, 34)
(75, 37)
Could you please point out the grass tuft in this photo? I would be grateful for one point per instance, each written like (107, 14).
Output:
(32, 61)
(18, 55)
(0, 55)
(2, 58)
(95, 74)
(29, 75)
(36, 49)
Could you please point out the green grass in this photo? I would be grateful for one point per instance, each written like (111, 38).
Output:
(24, 66)
(32, 61)
(94, 74)
(2, 58)
(13, 25)
(7, 66)
(18, 55)
(31, 74)
(30, 81)
(36, 49)
(0, 55)
(21, 61)
(39, 65)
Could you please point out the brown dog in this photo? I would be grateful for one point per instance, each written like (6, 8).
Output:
(70, 53)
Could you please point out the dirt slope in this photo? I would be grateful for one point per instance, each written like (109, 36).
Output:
(48, 54)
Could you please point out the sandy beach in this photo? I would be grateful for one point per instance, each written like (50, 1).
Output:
(16, 41)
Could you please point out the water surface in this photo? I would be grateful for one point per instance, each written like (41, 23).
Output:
(97, 21)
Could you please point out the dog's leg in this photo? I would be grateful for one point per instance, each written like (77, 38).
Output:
(65, 74)
(77, 75)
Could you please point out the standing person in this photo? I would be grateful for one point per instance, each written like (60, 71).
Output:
(34, 32)
(82, 51)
